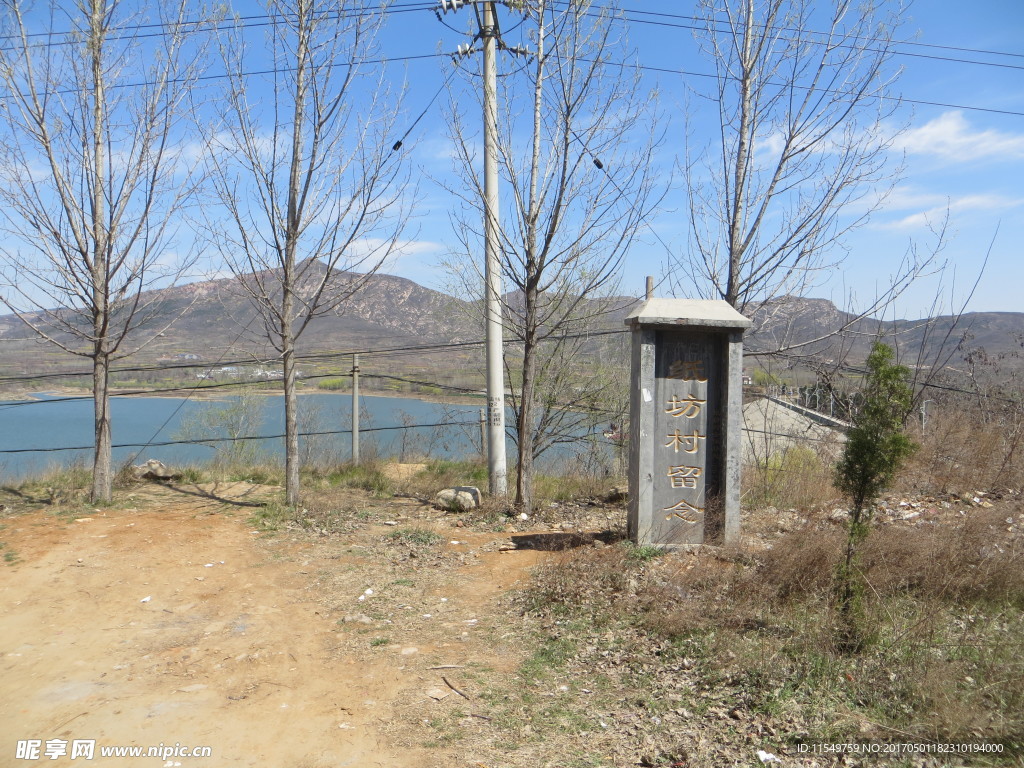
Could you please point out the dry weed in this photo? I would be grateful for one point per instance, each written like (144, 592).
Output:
(799, 477)
(966, 448)
(944, 608)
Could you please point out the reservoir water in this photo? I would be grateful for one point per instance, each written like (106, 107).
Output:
(141, 424)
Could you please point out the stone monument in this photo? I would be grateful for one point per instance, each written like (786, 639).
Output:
(685, 409)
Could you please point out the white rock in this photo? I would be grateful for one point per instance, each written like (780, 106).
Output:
(456, 500)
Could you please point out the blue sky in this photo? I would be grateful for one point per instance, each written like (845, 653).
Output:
(963, 149)
(966, 155)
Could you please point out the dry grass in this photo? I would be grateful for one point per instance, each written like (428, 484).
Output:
(946, 606)
(798, 478)
(966, 448)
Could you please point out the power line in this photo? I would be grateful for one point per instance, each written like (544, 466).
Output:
(253, 21)
(241, 438)
(644, 67)
(630, 15)
(309, 357)
(626, 12)
(900, 99)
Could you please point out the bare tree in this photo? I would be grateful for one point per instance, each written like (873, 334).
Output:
(306, 176)
(576, 164)
(801, 148)
(93, 173)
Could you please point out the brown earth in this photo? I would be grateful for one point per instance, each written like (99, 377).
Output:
(364, 631)
(177, 621)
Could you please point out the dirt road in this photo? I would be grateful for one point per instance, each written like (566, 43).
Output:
(177, 622)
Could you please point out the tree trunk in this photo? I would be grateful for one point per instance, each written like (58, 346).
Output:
(531, 294)
(291, 430)
(102, 473)
(525, 419)
(737, 231)
(288, 276)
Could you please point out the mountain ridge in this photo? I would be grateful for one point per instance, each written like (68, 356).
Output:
(215, 318)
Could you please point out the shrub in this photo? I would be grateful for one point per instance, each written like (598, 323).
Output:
(876, 447)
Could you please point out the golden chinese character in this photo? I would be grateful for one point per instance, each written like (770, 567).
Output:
(685, 511)
(684, 476)
(688, 407)
(689, 442)
(687, 370)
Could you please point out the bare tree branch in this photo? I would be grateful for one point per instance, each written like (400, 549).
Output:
(305, 174)
(93, 172)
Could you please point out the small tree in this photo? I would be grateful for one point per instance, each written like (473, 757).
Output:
(93, 172)
(876, 448)
(310, 189)
(237, 420)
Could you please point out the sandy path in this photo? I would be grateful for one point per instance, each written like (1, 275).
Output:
(173, 625)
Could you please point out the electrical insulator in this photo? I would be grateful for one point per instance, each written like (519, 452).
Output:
(451, 5)
(464, 49)
(518, 50)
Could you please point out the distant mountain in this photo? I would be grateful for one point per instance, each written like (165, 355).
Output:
(991, 336)
(384, 311)
(215, 320)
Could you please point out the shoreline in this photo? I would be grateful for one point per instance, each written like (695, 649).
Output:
(201, 395)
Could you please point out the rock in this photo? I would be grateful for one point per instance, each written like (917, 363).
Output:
(616, 495)
(357, 618)
(472, 490)
(456, 500)
(155, 470)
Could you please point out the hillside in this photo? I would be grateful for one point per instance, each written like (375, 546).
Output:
(996, 338)
(212, 321)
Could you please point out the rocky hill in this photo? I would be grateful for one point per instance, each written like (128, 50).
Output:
(990, 337)
(215, 320)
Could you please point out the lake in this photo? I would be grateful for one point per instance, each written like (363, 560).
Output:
(140, 423)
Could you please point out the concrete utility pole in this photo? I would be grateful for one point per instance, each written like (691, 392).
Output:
(496, 463)
(497, 467)
(488, 33)
(355, 409)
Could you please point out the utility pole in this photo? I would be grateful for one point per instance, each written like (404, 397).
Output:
(924, 414)
(355, 409)
(497, 469)
(496, 463)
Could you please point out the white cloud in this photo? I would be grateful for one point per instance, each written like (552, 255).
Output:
(950, 136)
(938, 207)
(369, 249)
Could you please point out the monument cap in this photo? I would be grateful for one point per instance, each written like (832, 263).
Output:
(687, 313)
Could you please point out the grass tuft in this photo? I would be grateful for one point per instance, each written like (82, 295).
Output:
(945, 604)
